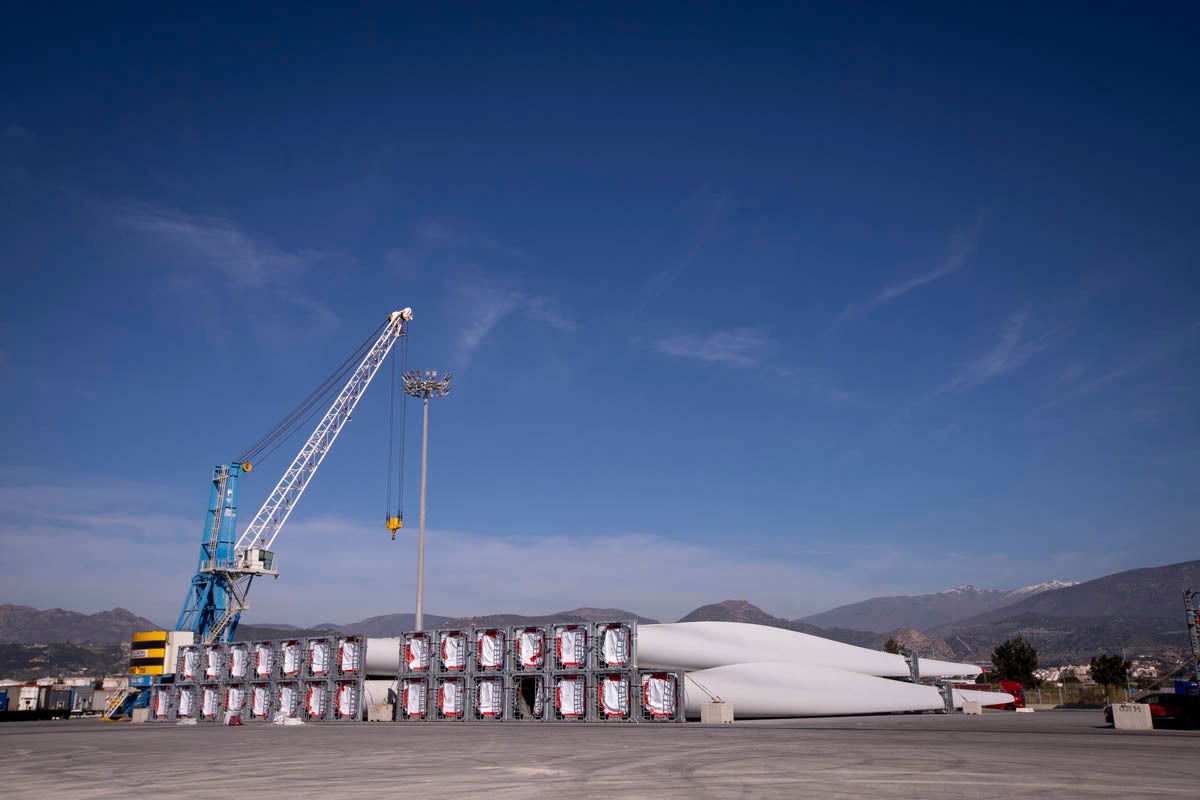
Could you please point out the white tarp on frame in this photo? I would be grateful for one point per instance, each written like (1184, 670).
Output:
(570, 642)
(451, 697)
(453, 650)
(260, 699)
(290, 652)
(570, 695)
(615, 648)
(613, 696)
(347, 700)
(191, 662)
(264, 659)
(208, 702)
(531, 648)
(318, 656)
(212, 662)
(490, 649)
(237, 661)
(489, 697)
(414, 696)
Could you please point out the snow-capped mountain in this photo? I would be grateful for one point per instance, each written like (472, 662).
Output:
(924, 611)
(1038, 588)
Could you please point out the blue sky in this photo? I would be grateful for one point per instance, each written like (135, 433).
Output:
(797, 306)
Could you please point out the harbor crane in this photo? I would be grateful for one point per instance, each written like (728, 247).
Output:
(228, 566)
(229, 563)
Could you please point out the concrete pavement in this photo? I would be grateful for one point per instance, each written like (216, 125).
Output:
(996, 755)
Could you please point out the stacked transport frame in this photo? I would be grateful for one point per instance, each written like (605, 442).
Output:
(565, 672)
(314, 679)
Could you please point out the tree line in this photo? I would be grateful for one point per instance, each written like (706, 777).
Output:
(1017, 660)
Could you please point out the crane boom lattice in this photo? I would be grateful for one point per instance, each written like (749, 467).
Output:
(219, 590)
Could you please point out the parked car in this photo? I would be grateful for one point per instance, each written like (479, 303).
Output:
(1178, 709)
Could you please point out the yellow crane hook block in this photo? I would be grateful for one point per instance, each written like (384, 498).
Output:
(394, 524)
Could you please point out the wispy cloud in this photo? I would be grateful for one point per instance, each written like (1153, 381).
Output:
(1012, 352)
(740, 347)
(1135, 364)
(205, 246)
(1014, 349)
(962, 245)
(1073, 372)
(440, 242)
(124, 522)
(245, 261)
(707, 210)
(749, 348)
(481, 277)
(484, 307)
(455, 559)
(17, 133)
(483, 302)
(549, 311)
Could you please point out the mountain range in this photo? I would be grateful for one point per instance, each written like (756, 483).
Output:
(28, 625)
(925, 611)
(1138, 611)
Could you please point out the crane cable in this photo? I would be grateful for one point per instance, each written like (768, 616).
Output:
(395, 521)
(403, 428)
(286, 427)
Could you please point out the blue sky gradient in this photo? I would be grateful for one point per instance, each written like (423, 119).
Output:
(796, 306)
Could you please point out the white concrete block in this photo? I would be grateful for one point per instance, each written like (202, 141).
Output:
(716, 712)
(1132, 717)
(380, 712)
(1026, 710)
(972, 707)
(143, 715)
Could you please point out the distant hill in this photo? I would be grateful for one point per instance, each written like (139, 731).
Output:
(577, 615)
(390, 624)
(28, 625)
(734, 611)
(924, 611)
(1138, 610)
(607, 615)
(1149, 592)
(250, 633)
(396, 624)
(26, 662)
(1061, 640)
(744, 611)
(925, 645)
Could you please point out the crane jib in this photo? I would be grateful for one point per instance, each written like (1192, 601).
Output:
(228, 566)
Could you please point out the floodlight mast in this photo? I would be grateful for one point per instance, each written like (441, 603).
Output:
(217, 596)
(424, 385)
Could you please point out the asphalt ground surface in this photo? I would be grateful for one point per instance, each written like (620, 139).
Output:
(998, 754)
